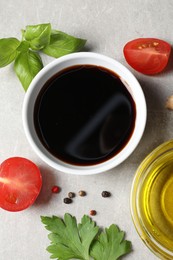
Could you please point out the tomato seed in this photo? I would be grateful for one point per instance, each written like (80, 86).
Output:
(155, 43)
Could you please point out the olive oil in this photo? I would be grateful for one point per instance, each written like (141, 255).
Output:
(156, 201)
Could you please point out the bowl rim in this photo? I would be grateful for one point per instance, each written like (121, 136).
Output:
(100, 167)
(159, 250)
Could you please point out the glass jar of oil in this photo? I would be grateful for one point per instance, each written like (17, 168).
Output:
(152, 200)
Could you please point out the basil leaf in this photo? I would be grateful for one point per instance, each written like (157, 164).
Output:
(8, 50)
(26, 66)
(24, 46)
(62, 44)
(37, 35)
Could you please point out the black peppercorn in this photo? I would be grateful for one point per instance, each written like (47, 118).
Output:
(71, 195)
(106, 194)
(67, 200)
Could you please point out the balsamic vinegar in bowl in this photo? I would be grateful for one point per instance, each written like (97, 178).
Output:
(84, 115)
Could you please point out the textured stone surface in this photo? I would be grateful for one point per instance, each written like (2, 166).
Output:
(107, 25)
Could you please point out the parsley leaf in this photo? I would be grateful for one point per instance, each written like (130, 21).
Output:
(70, 240)
(85, 240)
(110, 245)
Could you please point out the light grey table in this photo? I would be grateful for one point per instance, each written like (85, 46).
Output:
(107, 25)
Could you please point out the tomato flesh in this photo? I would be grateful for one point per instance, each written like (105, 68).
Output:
(147, 55)
(20, 183)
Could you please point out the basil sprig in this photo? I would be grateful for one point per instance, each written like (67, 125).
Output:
(35, 39)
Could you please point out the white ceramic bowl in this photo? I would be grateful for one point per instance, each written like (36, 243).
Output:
(69, 60)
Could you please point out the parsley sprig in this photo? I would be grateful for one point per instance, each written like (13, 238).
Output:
(85, 240)
(35, 39)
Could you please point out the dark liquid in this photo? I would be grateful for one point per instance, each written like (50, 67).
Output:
(84, 115)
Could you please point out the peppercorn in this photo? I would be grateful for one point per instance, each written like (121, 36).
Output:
(106, 194)
(82, 193)
(93, 212)
(67, 200)
(71, 195)
(55, 189)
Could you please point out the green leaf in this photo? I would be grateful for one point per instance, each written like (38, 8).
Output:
(37, 35)
(26, 66)
(8, 50)
(69, 240)
(24, 46)
(110, 245)
(62, 44)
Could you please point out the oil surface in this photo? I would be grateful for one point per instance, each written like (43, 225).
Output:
(156, 204)
(84, 115)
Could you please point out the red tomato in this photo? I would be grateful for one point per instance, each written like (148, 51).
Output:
(147, 55)
(20, 183)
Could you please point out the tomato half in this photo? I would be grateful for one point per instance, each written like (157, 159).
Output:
(20, 183)
(147, 55)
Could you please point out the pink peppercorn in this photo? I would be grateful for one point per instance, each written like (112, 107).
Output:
(93, 212)
(55, 189)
